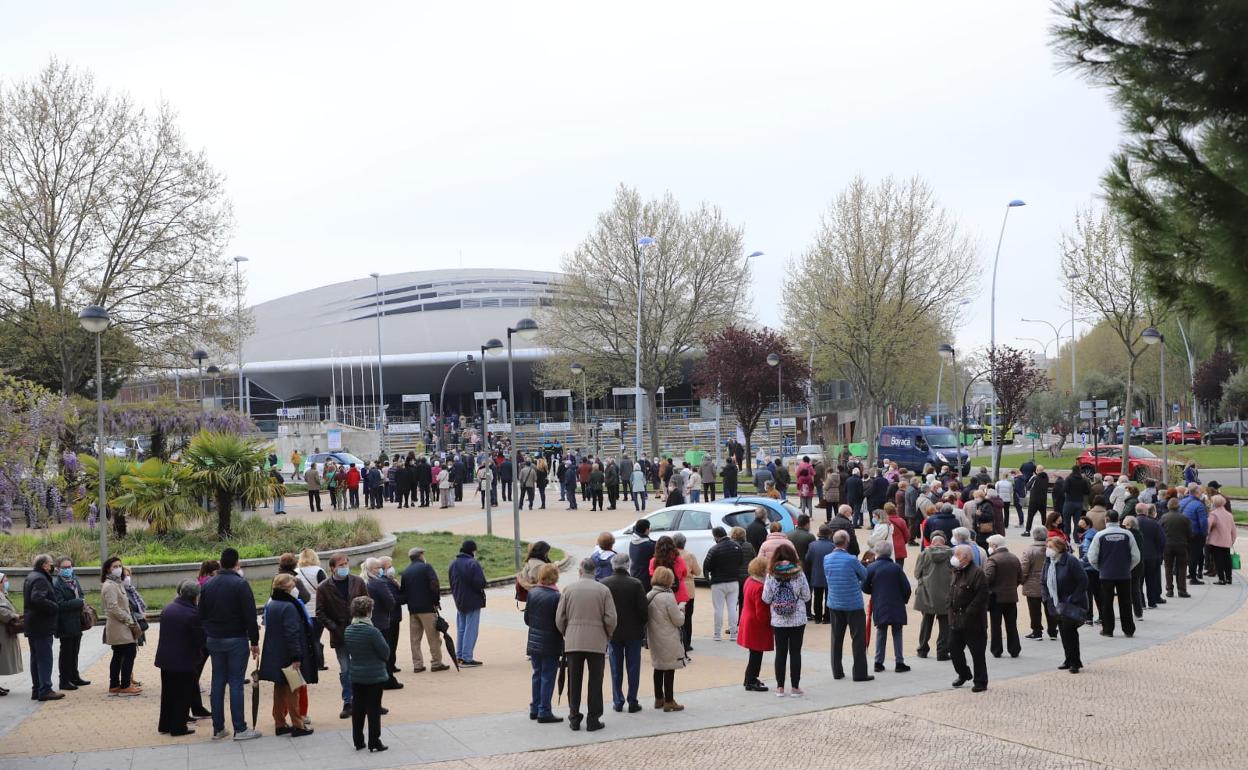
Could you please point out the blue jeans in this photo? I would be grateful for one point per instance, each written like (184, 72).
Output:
(40, 664)
(466, 624)
(544, 669)
(639, 500)
(624, 656)
(279, 505)
(344, 672)
(229, 663)
(694, 495)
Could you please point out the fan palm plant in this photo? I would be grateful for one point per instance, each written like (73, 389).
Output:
(114, 469)
(226, 467)
(158, 493)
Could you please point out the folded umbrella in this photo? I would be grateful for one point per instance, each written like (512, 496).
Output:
(255, 696)
(444, 628)
(563, 674)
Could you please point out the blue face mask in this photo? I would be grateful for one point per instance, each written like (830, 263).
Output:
(342, 572)
(67, 573)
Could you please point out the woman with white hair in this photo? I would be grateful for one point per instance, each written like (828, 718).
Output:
(1031, 563)
(962, 536)
(10, 643)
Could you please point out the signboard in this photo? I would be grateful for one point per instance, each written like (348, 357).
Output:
(404, 427)
(706, 425)
(499, 427)
(489, 394)
(624, 391)
(612, 425)
(1088, 414)
(333, 440)
(294, 411)
(283, 430)
(1032, 435)
(554, 427)
(565, 393)
(785, 422)
(415, 398)
(1175, 409)
(1100, 404)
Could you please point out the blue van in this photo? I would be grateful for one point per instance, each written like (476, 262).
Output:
(913, 446)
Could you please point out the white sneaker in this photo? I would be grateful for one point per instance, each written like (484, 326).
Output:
(796, 693)
(780, 692)
(221, 735)
(247, 735)
(717, 638)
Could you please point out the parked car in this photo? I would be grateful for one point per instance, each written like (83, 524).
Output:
(1107, 459)
(1149, 435)
(344, 458)
(1183, 433)
(695, 521)
(782, 511)
(913, 446)
(1228, 433)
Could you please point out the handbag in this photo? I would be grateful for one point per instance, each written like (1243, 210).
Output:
(88, 617)
(1234, 559)
(1069, 611)
(522, 593)
(294, 678)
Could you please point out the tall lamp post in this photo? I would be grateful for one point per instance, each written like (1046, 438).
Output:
(992, 342)
(381, 378)
(1072, 276)
(466, 363)
(773, 359)
(643, 244)
(947, 353)
(940, 378)
(95, 320)
(1154, 337)
(238, 300)
(525, 329)
(199, 356)
(578, 369)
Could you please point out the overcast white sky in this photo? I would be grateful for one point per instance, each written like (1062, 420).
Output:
(391, 136)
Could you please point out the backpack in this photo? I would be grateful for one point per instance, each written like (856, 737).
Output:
(784, 603)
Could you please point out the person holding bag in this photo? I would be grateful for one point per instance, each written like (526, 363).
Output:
(664, 619)
(121, 630)
(286, 654)
(1064, 587)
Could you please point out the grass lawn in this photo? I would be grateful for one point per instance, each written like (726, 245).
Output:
(1204, 456)
(496, 554)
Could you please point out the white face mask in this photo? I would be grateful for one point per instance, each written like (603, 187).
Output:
(126, 580)
(293, 592)
(953, 562)
(1051, 553)
(115, 572)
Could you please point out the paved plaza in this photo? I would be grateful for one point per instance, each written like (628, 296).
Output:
(1185, 668)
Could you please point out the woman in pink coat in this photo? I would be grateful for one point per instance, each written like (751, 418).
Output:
(775, 539)
(754, 629)
(806, 486)
(1221, 537)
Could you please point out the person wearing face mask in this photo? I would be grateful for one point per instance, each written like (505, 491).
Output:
(41, 611)
(121, 630)
(396, 616)
(1064, 584)
(1004, 574)
(968, 622)
(10, 644)
(286, 645)
(227, 608)
(384, 605)
(333, 609)
(69, 623)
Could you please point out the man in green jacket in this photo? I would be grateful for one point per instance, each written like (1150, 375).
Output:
(68, 623)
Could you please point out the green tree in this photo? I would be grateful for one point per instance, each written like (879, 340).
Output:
(158, 493)
(31, 339)
(1235, 395)
(115, 469)
(226, 467)
(1177, 72)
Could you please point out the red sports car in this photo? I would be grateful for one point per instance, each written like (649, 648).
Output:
(1106, 460)
(1183, 433)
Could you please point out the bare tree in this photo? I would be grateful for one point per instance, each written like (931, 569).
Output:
(689, 287)
(103, 203)
(1111, 283)
(888, 267)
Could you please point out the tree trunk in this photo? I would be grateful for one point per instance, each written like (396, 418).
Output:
(225, 503)
(119, 522)
(652, 421)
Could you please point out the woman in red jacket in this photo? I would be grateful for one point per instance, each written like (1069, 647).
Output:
(754, 629)
(901, 533)
(666, 554)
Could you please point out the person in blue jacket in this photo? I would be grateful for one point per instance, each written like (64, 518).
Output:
(285, 646)
(845, 575)
(1194, 510)
(468, 591)
(1064, 588)
(890, 591)
(815, 555)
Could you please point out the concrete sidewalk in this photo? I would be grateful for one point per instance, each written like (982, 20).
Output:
(474, 737)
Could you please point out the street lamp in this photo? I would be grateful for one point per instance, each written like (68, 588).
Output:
(199, 356)
(773, 359)
(948, 353)
(1153, 337)
(643, 243)
(992, 342)
(525, 329)
(1072, 276)
(238, 299)
(467, 364)
(578, 369)
(945, 351)
(95, 320)
(381, 379)
(492, 347)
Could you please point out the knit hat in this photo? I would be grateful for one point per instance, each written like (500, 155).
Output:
(469, 546)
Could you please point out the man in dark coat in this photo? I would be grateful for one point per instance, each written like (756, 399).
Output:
(842, 522)
(942, 521)
(729, 475)
(1152, 546)
(333, 610)
(69, 624)
(640, 551)
(854, 496)
(889, 589)
(1077, 493)
(42, 611)
(877, 494)
(382, 591)
(624, 649)
(422, 594)
(968, 622)
(423, 476)
(756, 532)
(1178, 531)
(1038, 496)
(178, 653)
(468, 590)
(1004, 574)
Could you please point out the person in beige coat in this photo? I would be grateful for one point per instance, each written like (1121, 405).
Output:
(10, 643)
(121, 630)
(667, 651)
(586, 618)
(1032, 563)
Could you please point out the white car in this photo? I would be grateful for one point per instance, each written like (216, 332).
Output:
(695, 521)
